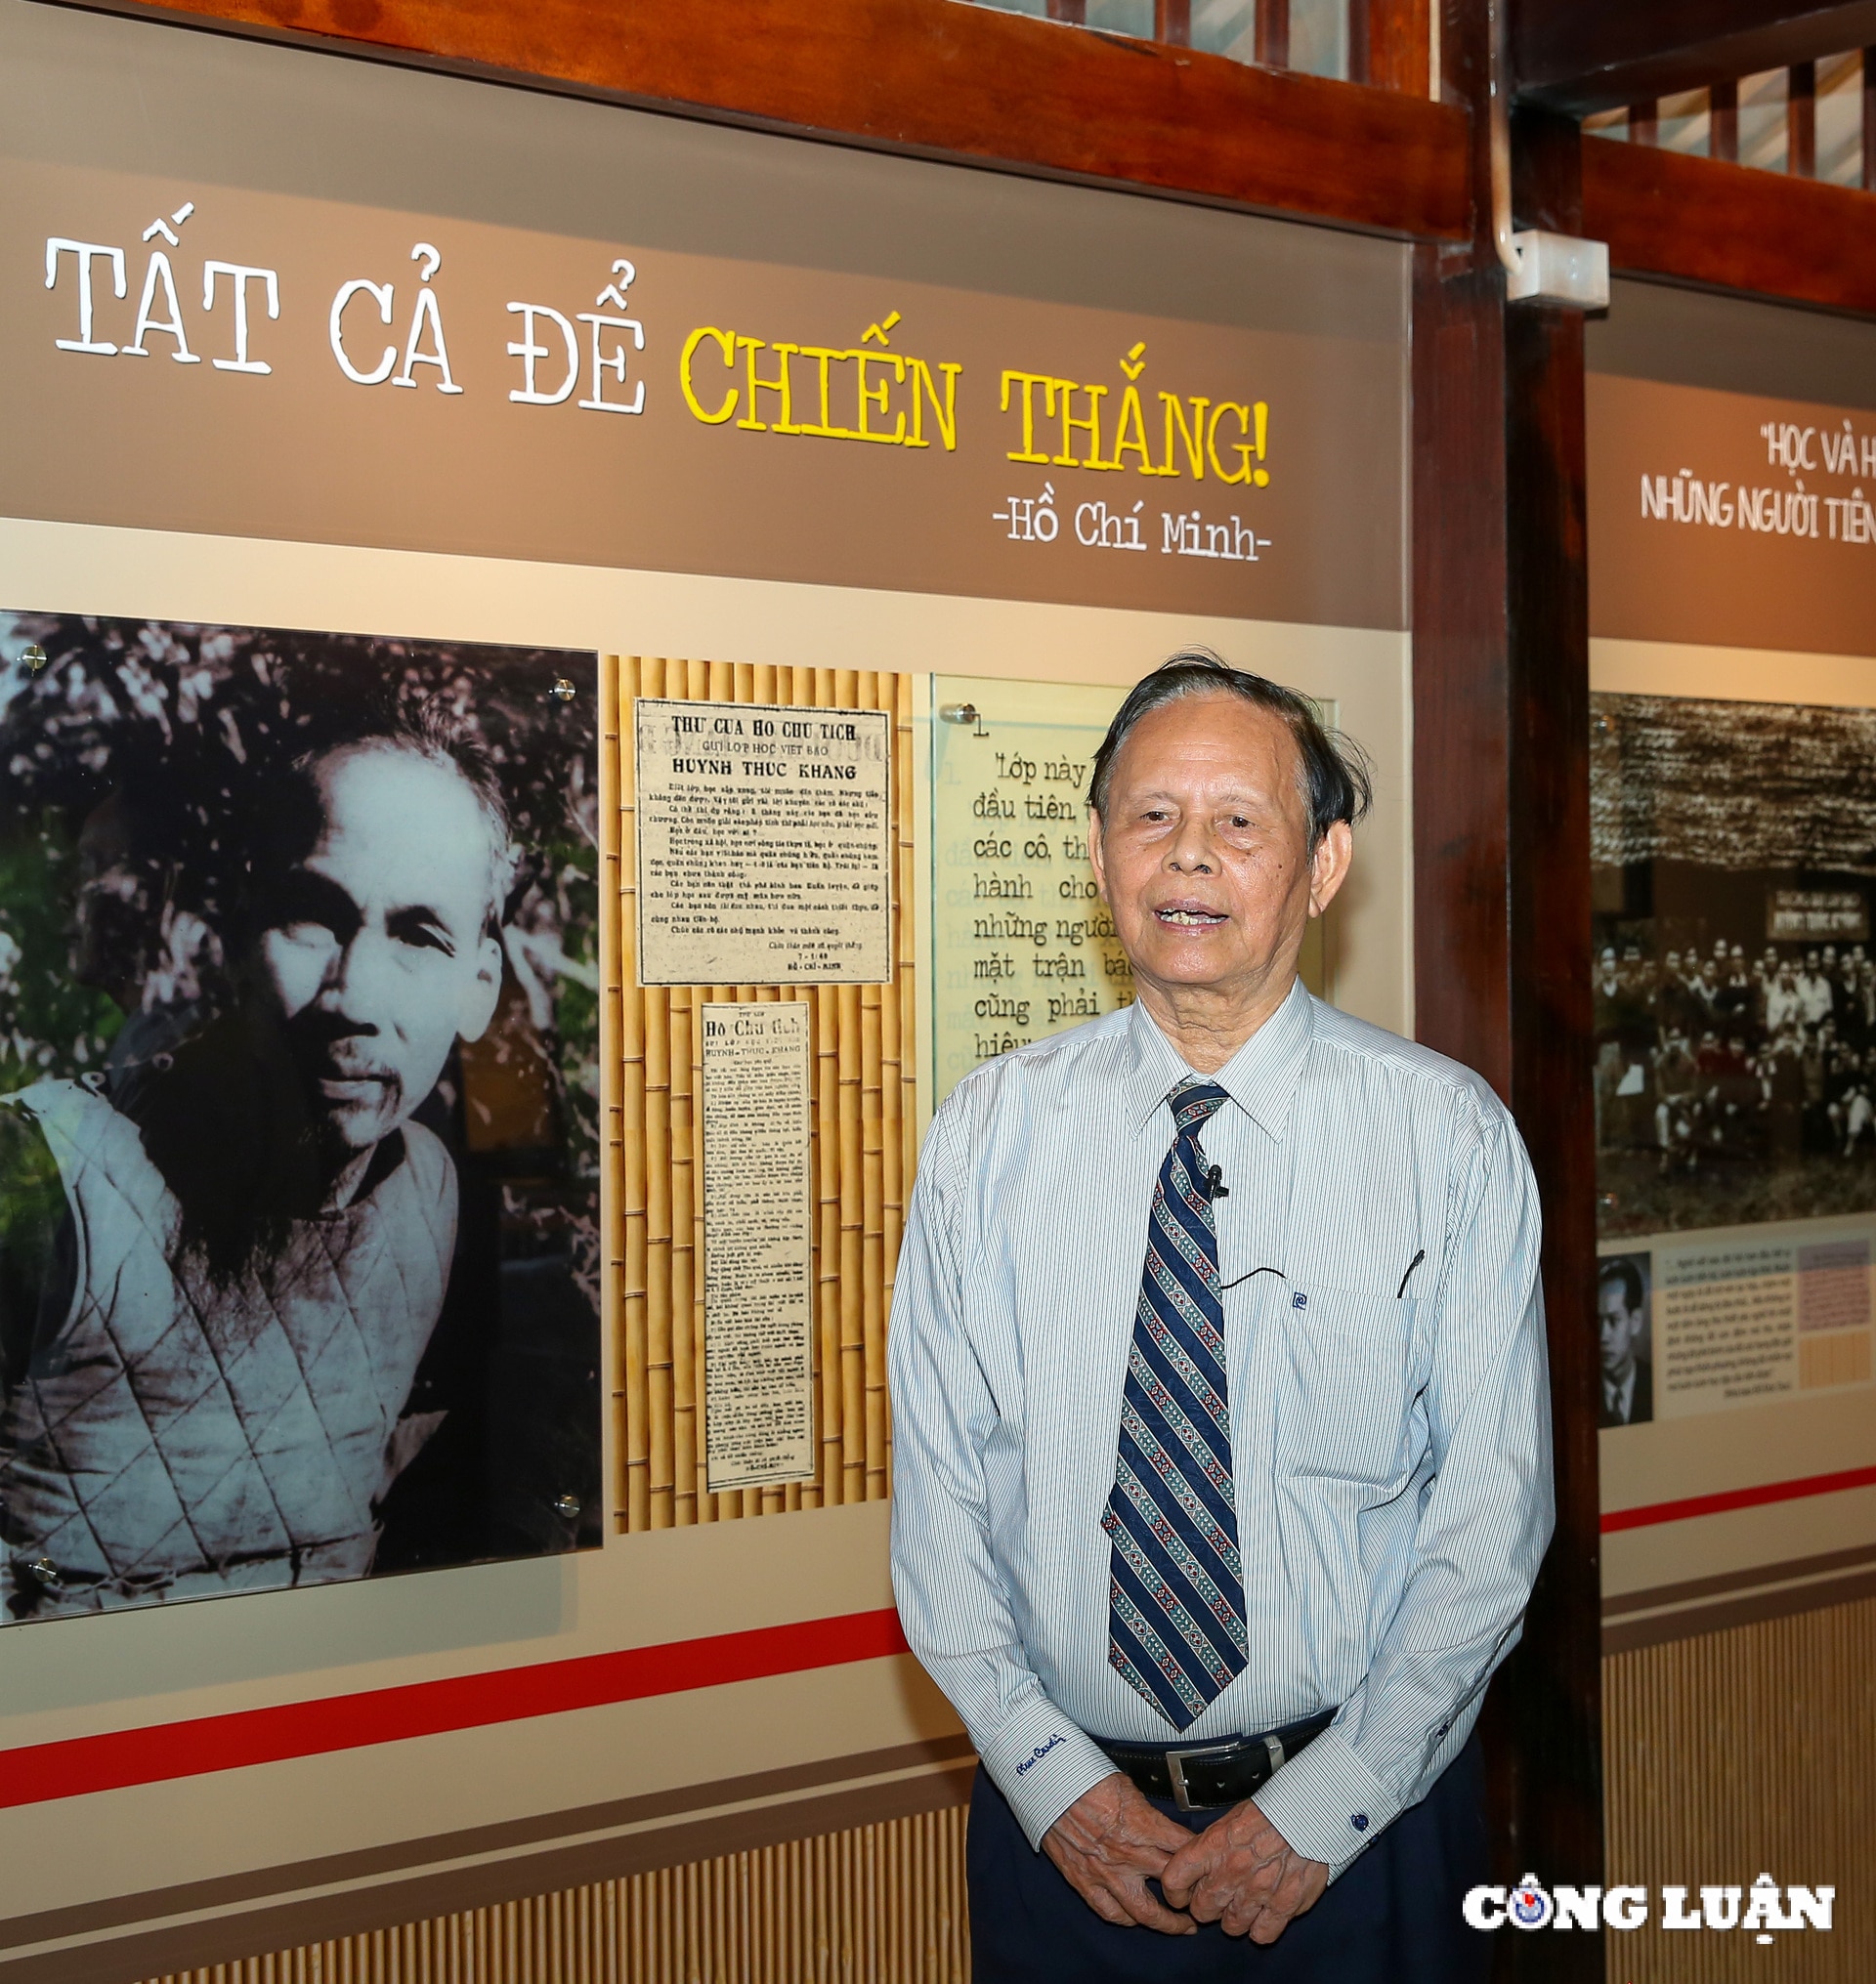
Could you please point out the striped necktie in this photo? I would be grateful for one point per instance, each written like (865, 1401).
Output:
(1175, 1595)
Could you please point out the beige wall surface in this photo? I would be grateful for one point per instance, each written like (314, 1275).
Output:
(129, 1670)
(295, 496)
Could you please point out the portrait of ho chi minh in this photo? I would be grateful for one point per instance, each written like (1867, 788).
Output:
(277, 969)
(1221, 1411)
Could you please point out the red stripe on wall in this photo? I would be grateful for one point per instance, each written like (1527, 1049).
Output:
(1737, 1497)
(40, 1771)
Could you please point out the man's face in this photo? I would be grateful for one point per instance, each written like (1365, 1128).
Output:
(1620, 1327)
(1203, 854)
(375, 946)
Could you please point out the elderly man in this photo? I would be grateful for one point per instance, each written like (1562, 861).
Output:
(1220, 1412)
(217, 1280)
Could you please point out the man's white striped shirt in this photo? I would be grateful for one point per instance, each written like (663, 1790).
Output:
(1389, 1450)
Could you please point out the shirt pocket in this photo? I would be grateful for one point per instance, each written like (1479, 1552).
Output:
(1345, 1403)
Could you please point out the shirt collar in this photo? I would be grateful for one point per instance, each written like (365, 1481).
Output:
(1260, 1078)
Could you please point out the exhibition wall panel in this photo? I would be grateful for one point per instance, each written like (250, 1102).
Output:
(1733, 597)
(1052, 360)
(1733, 714)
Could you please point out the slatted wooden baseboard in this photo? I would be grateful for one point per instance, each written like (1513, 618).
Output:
(1740, 1752)
(1727, 1756)
(879, 1904)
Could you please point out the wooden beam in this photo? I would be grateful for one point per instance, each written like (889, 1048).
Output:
(1582, 57)
(934, 78)
(1730, 227)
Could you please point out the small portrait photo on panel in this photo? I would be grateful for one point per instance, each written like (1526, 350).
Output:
(1624, 1289)
(299, 1133)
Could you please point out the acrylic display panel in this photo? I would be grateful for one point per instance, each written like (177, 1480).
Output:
(299, 1141)
(862, 1150)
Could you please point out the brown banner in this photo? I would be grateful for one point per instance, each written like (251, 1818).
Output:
(1726, 519)
(199, 357)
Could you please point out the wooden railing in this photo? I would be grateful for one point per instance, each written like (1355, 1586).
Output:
(1709, 122)
(1383, 42)
(1690, 197)
(936, 77)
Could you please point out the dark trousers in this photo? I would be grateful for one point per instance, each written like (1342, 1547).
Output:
(1393, 1917)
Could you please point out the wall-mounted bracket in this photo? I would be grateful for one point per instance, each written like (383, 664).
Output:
(1557, 269)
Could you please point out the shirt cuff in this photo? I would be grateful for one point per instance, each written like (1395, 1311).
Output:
(1327, 1803)
(1041, 1763)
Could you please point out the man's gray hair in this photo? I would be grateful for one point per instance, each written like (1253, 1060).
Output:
(1337, 776)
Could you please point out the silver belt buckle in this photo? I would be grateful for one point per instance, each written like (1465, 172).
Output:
(1175, 1762)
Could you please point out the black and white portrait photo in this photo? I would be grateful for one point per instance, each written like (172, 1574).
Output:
(1622, 1321)
(299, 1187)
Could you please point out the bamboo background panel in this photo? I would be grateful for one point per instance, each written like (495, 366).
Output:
(880, 1905)
(865, 1123)
(1740, 1752)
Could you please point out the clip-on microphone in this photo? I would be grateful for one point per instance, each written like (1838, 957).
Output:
(1215, 1185)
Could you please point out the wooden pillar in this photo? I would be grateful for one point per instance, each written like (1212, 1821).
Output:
(1075, 11)
(1501, 904)
(1553, 1700)
(1644, 122)
(1172, 23)
(1801, 121)
(1272, 44)
(1723, 122)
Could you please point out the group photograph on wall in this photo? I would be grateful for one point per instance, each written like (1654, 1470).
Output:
(1735, 848)
(299, 1143)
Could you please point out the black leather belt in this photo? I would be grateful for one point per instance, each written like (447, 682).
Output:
(1212, 1775)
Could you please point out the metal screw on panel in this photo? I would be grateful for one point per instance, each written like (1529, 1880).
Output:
(47, 1572)
(562, 690)
(567, 1506)
(34, 657)
(957, 713)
